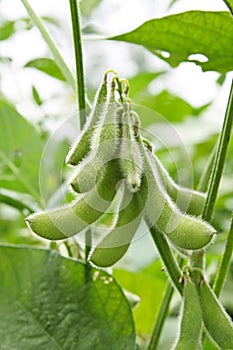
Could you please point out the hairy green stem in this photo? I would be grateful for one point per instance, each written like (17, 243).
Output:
(51, 44)
(75, 17)
(198, 259)
(77, 39)
(163, 311)
(217, 170)
(219, 159)
(205, 176)
(225, 263)
(166, 255)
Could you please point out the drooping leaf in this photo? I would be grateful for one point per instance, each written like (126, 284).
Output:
(184, 36)
(48, 66)
(20, 152)
(50, 302)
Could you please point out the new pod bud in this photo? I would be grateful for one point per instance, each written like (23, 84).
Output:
(131, 160)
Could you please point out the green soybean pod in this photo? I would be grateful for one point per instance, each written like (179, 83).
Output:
(131, 160)
(69, 220)
(82, 146)
(184, 231)
(191, 321)
(105, 140)
(115, 244)
(216, 320)
(187, 200)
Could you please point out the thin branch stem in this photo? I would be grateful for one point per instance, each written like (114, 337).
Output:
(225, 263)
(166, 254)
(51, 44)
(75, 17)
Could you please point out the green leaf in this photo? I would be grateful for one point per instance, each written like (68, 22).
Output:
(48, 66)
(9, 28)
(36, 96)
(175, 38)
(20, 152)
(50, 302)
(229, 4)
(51, 44)
(6, 30)
(140, 82)
(17, 201)
(87, 7)
(170, 106)
(149, 285)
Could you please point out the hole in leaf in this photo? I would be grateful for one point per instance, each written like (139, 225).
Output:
(164, 54)
(198, 57)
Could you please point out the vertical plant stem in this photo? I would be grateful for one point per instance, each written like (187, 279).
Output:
(75, 17)
(76, 28)
(163, 311)
(225, 263)
(205, 176)
(219, 159)
(166, 255)
(198, 259)
(217, 169)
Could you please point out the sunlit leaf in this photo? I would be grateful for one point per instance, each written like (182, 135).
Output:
(50, 302)
(48, 66)
(205, 38)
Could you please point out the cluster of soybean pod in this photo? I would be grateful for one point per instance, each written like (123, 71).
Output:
(117, 172)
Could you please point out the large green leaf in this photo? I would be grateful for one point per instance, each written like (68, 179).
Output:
(175, 38)
(50, 302)
(20, 152)
(48, 66)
